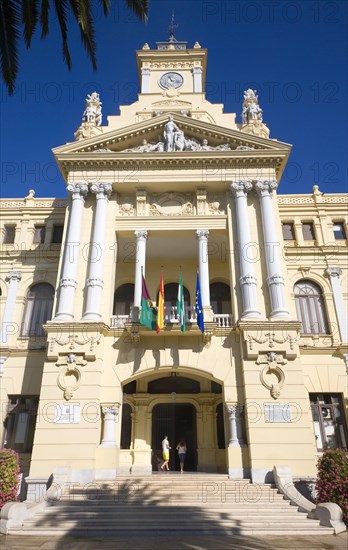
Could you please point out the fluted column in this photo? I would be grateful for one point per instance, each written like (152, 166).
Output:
(140, 258)
(68, 282)
(202, 237)
(247, 279)
(95, 281)
(275, 279)
(110, 414)
(13, 278)
(334, 274)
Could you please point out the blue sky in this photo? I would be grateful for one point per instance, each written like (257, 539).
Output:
(293, 52)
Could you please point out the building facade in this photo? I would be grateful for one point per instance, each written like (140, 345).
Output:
(173, 185)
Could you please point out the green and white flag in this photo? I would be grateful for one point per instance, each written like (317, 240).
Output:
(181, 305)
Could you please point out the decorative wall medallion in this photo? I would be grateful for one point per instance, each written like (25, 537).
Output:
(272, 376)
(69, 377)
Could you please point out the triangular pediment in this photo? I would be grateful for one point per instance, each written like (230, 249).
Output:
(133, 136)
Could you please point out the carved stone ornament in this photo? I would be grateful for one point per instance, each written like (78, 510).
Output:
(91, 118)
(271, 339)
(175, 140)
(252, 115)
(69, 377)
(171, 204)
(272, 376)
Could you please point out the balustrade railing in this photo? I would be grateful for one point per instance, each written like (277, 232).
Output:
(223, 320)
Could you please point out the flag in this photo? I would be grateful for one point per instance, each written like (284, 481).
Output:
(147, 314)
(160, 306)
(180, 306)
(198, 306)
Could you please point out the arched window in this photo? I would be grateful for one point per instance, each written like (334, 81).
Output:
(170, 301)
(38, 309)
(220, 298)
(124, 299)
(310, 307)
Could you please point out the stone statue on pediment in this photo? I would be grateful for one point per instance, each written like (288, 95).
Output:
(91, 118)
(252, 120)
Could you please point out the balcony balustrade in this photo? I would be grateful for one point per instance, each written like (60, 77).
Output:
(223, 320)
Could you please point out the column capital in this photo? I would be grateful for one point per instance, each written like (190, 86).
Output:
(263, 188)
(145, 71)
(77, 190)
(334, 272)
(141, 234)
(111, 412)
(202, 233)
(232, 409)
(14, 276)
(197, 70)
(240, 188)
(101, 190)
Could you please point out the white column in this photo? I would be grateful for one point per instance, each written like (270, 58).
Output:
(68, 282)
(232, 425)
(334, 274)
(13, 277)
(202, 236)
(247, 279)
(197, 79)
(145, 80)
(140, 258)
(275, 279)
(110, 413)
(95, 281)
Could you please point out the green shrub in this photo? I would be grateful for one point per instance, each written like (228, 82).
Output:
(9, 472)
(332, 480)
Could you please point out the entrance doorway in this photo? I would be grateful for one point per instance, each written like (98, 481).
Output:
(178, 421)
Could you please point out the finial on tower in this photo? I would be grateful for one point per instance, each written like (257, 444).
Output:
(172, 28)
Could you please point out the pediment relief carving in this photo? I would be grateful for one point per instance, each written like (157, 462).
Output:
(171, 204)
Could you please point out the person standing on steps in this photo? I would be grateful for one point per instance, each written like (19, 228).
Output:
(165, 453)
(182, 450)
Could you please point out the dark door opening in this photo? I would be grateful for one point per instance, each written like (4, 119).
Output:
(178, 422)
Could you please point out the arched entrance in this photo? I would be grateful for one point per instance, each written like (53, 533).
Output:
(178, 421)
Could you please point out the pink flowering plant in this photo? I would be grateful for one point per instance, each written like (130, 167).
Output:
(332, 480)
(9, 475)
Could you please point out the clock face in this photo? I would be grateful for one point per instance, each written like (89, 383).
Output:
(171, 80)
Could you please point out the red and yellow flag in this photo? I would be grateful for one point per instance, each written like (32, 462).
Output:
(160, 306)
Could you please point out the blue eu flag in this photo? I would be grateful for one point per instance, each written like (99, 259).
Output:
(198, 306)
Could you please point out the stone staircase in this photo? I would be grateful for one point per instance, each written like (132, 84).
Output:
(170, 504)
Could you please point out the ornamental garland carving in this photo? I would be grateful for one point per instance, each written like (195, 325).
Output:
(126, 207)
(171, 204)
(216, 204)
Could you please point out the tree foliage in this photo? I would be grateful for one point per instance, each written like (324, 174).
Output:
(19, 17)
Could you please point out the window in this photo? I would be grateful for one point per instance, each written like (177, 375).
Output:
(126, 427)
(124, 299)
(339, 231)
(20, 423)
(308, 231)
(39, 235)
(220, 427)
(38, 309)
(10, 234)
(310, 307)
(288, 231)
(328, 419)
(171, 300)
(57, 235)
(220, 298)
